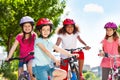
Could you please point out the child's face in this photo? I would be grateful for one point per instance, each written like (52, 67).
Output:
(45, 31)
(69, 29)
(109, 31)
(27, 27)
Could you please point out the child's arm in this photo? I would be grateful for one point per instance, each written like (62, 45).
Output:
(87, 47)
(43, 48)
(58, 41)
(47, 52)
(62, 51)
(15, 44)
(35, 34)
(78, 37)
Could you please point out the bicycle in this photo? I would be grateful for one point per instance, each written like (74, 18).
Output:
(74, 69)
(114, 72)
(25, 74)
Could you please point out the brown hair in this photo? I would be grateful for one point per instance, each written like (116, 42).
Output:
(63, 29)
(30, 37)
(30, 34)
(115, 36)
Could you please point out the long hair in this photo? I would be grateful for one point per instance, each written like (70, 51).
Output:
(115, 36)
(24, 34)
(63, 30)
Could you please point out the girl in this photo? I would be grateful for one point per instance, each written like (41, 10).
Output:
(42, 66)
(110, 45)
(26, 41)
(68, 35)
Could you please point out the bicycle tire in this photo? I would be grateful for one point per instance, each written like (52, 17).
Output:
(77, 72)
(24, 76)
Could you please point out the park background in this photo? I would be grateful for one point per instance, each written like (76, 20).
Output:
(90, 15)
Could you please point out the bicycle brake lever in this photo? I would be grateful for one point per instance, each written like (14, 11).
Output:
(106, 54)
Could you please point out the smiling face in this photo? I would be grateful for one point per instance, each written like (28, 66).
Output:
(109, 31)
(45, 31)
(27, 27)
(69, 29)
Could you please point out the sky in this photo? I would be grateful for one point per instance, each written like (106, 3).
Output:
(91, 16)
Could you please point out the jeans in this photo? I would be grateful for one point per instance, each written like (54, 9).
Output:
(42, 72)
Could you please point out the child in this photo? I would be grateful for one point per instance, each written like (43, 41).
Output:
(42, 66)
(110, 45)
(68, 35)
(26, 41)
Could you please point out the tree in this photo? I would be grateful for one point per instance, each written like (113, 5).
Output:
(13, 10)
(90, 76)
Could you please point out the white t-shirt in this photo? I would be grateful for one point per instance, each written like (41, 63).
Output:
(69, 41)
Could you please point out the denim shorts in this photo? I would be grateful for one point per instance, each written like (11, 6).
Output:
(42, 72)
(21, 63)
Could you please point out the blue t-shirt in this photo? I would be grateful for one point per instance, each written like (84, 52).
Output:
(41, 58)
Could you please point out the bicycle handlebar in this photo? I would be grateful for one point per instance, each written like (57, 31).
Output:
(111, 56)
(70, 60)
(80, 48)
(18, 58)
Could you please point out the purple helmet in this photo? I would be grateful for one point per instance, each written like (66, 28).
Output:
(26, 19)
(110, 25)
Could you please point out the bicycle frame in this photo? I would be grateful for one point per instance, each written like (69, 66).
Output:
(73, 66)
(114, 73)
(25, 74)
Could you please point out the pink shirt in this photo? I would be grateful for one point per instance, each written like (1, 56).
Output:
(27, 46)
(112, 49)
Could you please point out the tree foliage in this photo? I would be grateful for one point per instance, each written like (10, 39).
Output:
(90, 76)
(11, 11)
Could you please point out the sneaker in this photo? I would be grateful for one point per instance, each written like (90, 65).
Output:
(82, 78)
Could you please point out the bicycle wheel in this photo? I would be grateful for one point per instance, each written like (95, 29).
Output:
(77, 72)
(24, 76)
(74, 76)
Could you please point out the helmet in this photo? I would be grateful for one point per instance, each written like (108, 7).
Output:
(26, 19)
(43, 21)
(110, 25)
(68, 21)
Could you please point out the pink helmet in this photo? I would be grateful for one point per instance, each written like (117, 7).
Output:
(26, 19)
(43, 21)
(110, 25)
(68, 21)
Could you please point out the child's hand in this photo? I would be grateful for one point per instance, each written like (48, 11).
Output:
(7, 59)
(57, 62)
(77, 55)
(102, 54)
(87, 47)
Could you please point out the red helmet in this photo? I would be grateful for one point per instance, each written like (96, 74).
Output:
(68, 21)
(43, 21)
